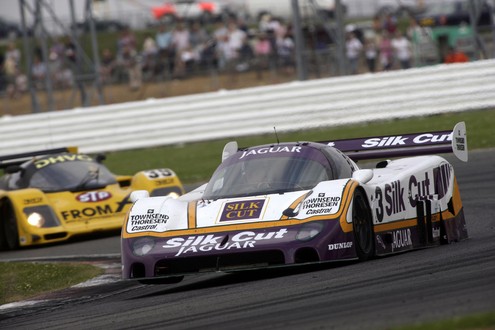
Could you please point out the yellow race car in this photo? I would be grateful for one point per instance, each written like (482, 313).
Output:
(49, 196)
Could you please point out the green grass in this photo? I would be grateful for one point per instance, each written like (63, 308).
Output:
(196, 162)
(485, 321)
(23, 280)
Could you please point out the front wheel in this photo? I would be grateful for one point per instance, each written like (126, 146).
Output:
(362, 224)
(8, 228)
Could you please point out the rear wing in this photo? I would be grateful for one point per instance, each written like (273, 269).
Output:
(406, 144)
(17, 159)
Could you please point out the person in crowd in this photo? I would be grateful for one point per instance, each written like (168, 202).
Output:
(3, 82)
(129, 60)
(149, 55)
(60, 73)
(285, 50)
(402, 49)
(371, 53)
(70, 53)
(127, 39)
(108, 65)
(390, 24)
(386, 52)
(11, 72)
(235, 41)
(262, 50)
(455, 56)
(246, 55)
(38, 71)
(166, 51)
(181, 44)
(58, 48)
(199, 42)
(13, 53)
(221, 37)
(353, 48)
(15, 80)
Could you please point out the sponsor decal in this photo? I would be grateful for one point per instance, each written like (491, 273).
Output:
(206, 243)
(339, 246)
(441, 179)
(321, 204)
(400, 140)
(384, 142)
(460, 143)
(61, 159)
(270, 150)
(389, 201)
(147, 222)
(34, 200)
(87, 212)
(419, 189)
(105, 210)
(401, 238)
(93, 196)
(422, 189)
(158, 173)
(242, 210)
(164, 182)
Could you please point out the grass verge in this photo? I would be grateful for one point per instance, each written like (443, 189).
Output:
(485, 321)
(24, 280)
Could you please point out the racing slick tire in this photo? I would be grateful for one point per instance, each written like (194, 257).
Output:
(362, 224)
(9, 235)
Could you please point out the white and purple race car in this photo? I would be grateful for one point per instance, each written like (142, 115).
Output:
(301, 202)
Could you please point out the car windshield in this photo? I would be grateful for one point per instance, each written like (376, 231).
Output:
(268, 173)
(71, 176)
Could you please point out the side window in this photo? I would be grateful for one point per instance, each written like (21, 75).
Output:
(342, 165)
(14, 181)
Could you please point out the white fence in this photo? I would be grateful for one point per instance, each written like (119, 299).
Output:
(229, 114)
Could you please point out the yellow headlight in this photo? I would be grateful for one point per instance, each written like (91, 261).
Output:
(36, 220)
(174, 195)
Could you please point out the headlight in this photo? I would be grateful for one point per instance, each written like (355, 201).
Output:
(309, 231)
(41, 216)
(36, 220)
(174, 195)
(167, 191)
(143, 246)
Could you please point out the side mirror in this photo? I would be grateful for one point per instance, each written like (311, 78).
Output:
(229, 149)
(13, 169)
(139, 194)
(363, 176)
(100, 158)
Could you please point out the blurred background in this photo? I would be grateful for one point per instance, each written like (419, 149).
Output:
(62, 54)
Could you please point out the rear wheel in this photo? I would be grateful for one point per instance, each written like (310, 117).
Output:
(362, 223)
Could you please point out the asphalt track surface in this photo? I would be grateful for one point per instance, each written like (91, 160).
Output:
(424, 285)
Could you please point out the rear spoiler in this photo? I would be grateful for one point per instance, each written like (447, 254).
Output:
(406, 144)
(17, 159)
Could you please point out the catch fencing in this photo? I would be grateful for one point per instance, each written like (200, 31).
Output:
(230, 114)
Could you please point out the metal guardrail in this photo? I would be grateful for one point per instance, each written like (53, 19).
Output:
(230, 114)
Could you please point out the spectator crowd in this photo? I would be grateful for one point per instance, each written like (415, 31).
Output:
(182, 49)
